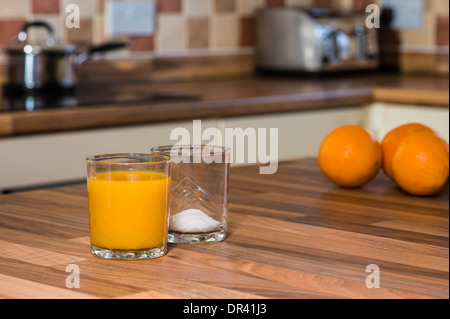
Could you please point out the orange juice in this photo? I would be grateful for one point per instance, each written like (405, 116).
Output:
(128, 210)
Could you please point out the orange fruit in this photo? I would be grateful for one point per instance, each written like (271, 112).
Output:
(391, 140)
(350, 156)
(420, 164)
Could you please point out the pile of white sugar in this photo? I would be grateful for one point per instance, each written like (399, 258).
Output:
(191, 221)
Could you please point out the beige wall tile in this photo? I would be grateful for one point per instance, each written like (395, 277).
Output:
(87, 7)
(98, 29)
(300, 3)
(423, 37)
(248, 7)
(438, 6)
(198, 8)
(198, 33)
(55, 21)
(170, 35)
(225, 32)
(14, 9)
(347, 4)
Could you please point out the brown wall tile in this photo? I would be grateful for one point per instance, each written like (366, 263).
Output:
(442, 26)
(101, 6)
(361, 5)
(83, 34)
(45, 6)
(442, 63)
(275, 3)
(322, 3)
(247, 37)
(198, 33)
(10, 28)
(358, 5)
(142, 43)
(225, 5)
(169, 6)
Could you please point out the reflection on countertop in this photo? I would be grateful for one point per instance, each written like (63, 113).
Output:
(19, 100)
(106, 104)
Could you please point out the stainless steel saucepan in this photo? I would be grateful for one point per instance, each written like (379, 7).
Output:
(49, 65)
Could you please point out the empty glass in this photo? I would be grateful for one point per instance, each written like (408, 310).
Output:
(199, 192)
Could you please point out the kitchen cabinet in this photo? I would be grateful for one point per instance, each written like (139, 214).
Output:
(382, 117)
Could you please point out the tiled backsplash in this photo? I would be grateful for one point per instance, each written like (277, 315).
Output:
(209, 26)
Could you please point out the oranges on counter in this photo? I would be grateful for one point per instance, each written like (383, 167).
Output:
(393, 138)
(420, 164)
(350, 156)
(413, 155)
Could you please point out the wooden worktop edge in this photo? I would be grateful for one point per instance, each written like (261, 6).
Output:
(411, 96)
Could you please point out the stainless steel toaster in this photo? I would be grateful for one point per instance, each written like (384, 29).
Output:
(314, 40)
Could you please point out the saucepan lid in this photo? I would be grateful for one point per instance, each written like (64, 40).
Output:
(51, 44)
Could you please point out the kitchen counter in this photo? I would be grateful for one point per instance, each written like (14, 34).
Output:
(227, 97)
(291, 235)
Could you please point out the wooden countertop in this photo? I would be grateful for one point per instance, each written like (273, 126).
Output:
(228, 97)
(291, 235)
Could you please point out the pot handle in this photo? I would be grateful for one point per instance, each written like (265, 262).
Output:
(108, 47)
(101, 48)
(23, 33)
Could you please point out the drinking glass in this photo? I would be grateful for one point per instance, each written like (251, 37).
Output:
(129, 196)
(199, 193)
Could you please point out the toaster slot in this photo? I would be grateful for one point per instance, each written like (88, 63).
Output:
(337, 46)
(360, 39)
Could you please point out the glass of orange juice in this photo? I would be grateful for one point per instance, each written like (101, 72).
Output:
(128, 196)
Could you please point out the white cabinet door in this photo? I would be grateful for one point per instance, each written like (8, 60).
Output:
(299, 133)
(46, 159)
(385, 116)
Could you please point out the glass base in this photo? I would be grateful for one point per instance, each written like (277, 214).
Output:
(196, 238)
(128, 254)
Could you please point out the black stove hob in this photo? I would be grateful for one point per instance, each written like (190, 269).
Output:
(16, 100)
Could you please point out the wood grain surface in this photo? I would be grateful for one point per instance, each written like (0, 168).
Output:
(291, 235)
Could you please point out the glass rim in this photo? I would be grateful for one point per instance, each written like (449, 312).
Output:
(168, 148)
(94, 159)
